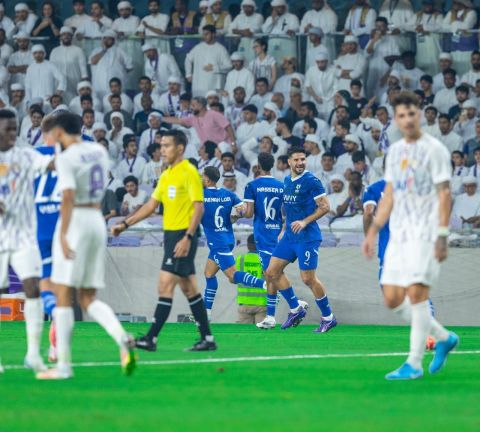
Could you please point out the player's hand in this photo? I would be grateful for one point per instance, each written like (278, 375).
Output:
(298, 226)
(368, 246)
(117, 229)
(182, 248)
(67, 252)
(441, 249)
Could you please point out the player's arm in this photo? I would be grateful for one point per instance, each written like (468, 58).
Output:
(368, 214)
(383, 214)
(142, 213)
(66, 209)
(249, 209)
(323, 207)
(445, 207)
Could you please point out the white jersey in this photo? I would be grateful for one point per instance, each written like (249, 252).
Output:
(414, 170)
(84, 168)
(18, 169)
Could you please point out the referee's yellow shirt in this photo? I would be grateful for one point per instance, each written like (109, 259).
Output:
(178, 188)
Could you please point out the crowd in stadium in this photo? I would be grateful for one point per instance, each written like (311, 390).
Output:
(234, 105)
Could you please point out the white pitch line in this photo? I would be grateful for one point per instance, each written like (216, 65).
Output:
(248, 359)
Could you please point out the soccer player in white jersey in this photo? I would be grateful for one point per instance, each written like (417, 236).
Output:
(79, 244)
(18, 228)
(417, 200)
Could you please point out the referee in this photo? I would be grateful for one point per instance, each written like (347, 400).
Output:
(180, 191)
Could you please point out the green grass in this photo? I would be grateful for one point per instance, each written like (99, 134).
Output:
(337, 394)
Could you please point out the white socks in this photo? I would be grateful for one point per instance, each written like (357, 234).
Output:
(439, 332)
(34, 324)
(420, 329)
(404, 311)
(64, 320)
(103, 315)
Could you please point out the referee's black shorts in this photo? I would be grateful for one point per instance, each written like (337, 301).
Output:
(182, 267)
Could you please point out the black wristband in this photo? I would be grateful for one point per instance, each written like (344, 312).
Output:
(125, 224)
(189, 236)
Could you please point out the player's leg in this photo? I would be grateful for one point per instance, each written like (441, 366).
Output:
(211, 270)
(166, 286)
(190, 289)
(27, 264)
(268, 321)
(226, 261)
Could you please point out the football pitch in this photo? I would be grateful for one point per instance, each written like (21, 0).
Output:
(257, 380)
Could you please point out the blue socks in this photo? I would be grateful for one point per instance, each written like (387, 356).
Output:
(49, 302)
(247, 279)
(324, 306)
(290, 297)
(210, 291)
(271, 304)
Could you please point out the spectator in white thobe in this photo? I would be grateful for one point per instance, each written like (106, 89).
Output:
(24, 19)
(447, 137)
(466, 206)
(206, 62)
(445, 62)
(351, 65)
(217, 17)
(154, 24)
(115, 87)
(315, 46)
(43, 79)
(281, 21)
(96, 25)
(84, 88)
(20, 60)
(239, 76)
(169, 102)
(466, 124)
(473, 75)
(79, 17)
(445, 98)
(126, 24)
(108, 62)
(70, 60)
(320, 85)
(409, 74)
(159, 67)
(360, 21)
(146, 89)
(251, 127)
(6, 23)
(399, 14)
(284, 83)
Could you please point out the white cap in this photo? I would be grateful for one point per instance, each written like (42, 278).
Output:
(148, 47)
(321, 56)
(248, 3)
(352, 138)
(469, 179)
(61, 107)
(394, 73)
(84, 84)
(17, 87)
(376, 124)
(174, 80)
(154, 114)
(21, 7)
(276, 3)
(350, 39)
(99, 126)
(211, 93)
(117, 114)
(212, 2)
(38, 48)
(316, 31)
(469, 104)
(337, 177)
(66, 29)
(21, 35)
(270, 106)
(36, 101)
(203, 3)
(313, 138)
(109, 34)
(445, 56)
(237, 56)
(124, 5)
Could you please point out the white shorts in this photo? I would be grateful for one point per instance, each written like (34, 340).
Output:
(87, 237)
(26, 262)
(410, 263)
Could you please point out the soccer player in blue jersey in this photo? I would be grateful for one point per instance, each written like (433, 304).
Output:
(264, 200)
(304, 202)
(217, 225)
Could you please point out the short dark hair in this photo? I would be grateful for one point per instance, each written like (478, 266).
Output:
(228, 155)
(266, 161)
(431, 108)
(262, 79)
(263, 42)
(382, 19)
(250, 108)
(344, 124)
(312, 124)
(115, 80)
(152, 148)
(144, 77)
(210, 28)
(212, 173)
(37, 111)
(358, 156)
(283, 159)
(127, 139)
(356, 82)
(449, 71)
(296, 149)
(328, 154)
(427, 78)
(286, 121)
(218, 105)
(86, 98)
(116, 97)
(459, 152)
(186, 97)
(88, 111)
(462, 88)
(311, 107)
(70, 123)
(179, 138)
(444, 116)
(210, 148)
(476, 150)
(408, 53)
(405, 98)
(130, 178)
(7, 114)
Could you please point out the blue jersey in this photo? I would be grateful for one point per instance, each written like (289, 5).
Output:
(47, 200)
(267, 194)
(373, 194)
(299, 202)
(216, 219)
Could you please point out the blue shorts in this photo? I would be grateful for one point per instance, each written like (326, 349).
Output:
(306, 252)
(223, 258)
(265, 257)
(45, 247)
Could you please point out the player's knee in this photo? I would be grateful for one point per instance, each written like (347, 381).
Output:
(308, 279)
(392, 302)
(272, 275)
(31, 288)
